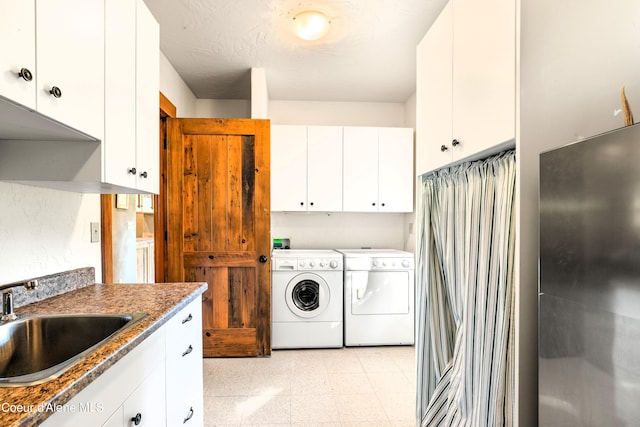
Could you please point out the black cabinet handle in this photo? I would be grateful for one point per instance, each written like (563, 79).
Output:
(263, 259)
(301, 203)
(455, 142)
(132, 171)
(188, 416)
(187, 319)
(137, 419)
(443, 148)
(311, 203)
(56, 92)
(373, 204)
(143, 174)
(25, 74)
(187, 351)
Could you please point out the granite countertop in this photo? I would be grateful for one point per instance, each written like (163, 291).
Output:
(160, 301)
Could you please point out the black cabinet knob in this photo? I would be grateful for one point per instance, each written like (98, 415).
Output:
(56, 92)
(443, 148)
(132, 171)
(143, 174)
(301, 203)
(137, 419)
(25, 74)
(263, 258)
(455, 142)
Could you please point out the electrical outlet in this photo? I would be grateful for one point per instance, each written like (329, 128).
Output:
(95, 232)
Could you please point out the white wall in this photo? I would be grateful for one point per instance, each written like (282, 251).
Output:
(175, 89)
(46, 231)
(574, 58)
(223, 108)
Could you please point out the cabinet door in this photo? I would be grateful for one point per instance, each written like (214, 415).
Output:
(324, 168)
(147, 100)
(434, 95)
(18, 47)
(148, 401)
(288, 168)
(70, 56)
(360, 185)
(483, 74)
(184, 367)
(395, 170)
(119, 147)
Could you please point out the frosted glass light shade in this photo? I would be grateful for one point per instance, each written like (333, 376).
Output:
(311, 25)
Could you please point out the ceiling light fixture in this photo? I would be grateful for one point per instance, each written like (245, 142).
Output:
(311, 24)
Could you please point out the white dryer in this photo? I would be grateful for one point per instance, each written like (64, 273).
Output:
(307, 299)
(378, 297)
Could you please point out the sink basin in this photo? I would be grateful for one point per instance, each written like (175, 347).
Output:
(35, 349)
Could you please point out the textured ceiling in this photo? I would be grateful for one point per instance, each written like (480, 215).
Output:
(369, 54)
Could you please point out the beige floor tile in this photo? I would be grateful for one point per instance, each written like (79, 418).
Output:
(360, 407)
(266, 410)
(311, 384)
(399, 406)
(270, 384)
(223, 410)
(348, 387)
(350, 383)
(395, 382)
(314, 409)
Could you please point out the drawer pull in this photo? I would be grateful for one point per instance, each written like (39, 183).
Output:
(188, 416)
(137, 419)
(187, 319)
(187, 351)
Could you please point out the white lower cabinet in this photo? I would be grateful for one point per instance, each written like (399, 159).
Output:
(184, 367)
(159, 383)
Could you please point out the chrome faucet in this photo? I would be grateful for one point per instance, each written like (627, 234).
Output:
(7, 297)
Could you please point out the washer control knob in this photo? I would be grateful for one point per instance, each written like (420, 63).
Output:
(312, 263)
(406, 263)
(333, 264)
(323, 263)
(301, 263)
(376, 263)
(384, 263)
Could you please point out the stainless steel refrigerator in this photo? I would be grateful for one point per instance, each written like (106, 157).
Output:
(589, 304)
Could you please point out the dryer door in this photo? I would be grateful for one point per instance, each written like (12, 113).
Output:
(307, 295)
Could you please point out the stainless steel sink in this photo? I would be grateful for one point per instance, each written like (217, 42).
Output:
(35, 349)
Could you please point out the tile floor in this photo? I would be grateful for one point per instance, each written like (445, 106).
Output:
(355, 386)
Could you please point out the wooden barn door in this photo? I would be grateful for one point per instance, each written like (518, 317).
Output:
(219, 228)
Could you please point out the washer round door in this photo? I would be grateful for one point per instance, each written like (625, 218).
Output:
(307, 295)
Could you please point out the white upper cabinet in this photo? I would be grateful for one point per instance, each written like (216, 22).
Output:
(433, 95)
(147, 100)
(465, 83)
(324, 168)
(484, 73)
(18, 47)
(395, 170)
(120, 86)
(52, 62)
(70, 63)
(131, 150)
(288, 168)
(378, 169)
(306, 168)
(360, 186)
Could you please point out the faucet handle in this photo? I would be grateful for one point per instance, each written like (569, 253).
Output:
(7, 306)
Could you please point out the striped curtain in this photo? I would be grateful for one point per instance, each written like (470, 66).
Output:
(465, 258)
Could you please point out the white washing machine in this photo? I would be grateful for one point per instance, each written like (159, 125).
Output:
(379, 295)
(307, 296)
